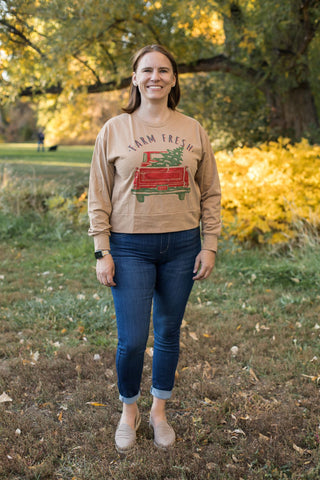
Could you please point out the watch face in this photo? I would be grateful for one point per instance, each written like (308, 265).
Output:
(98, 254)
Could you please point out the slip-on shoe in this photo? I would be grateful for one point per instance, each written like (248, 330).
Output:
(164, 436)
(125, 436)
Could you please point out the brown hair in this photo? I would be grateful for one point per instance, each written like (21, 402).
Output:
(134, 95)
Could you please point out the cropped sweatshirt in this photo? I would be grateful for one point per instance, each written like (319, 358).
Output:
(153, 178)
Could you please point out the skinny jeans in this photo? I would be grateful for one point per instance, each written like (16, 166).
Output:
(152, 271)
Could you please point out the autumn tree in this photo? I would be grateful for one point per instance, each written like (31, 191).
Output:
(62, 48)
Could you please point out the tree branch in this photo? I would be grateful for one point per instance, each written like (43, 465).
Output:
(13, 30)
(83, 62)
(220, 63)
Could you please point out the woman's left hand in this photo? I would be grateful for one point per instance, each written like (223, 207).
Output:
(204, 264)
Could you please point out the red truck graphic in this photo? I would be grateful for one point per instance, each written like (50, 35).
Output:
(158, 176)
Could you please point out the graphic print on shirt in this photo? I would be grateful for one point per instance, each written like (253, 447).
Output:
(161, 173)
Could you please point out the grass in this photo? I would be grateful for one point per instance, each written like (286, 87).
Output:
(251, 414)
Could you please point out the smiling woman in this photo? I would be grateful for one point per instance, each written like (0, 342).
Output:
(166, 63)
(154, 77)
(153, 177)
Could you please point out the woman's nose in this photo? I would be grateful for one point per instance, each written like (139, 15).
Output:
(155, 75)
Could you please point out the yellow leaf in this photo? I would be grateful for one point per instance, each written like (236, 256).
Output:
(96, 404)
(298, 449)
(253, 375)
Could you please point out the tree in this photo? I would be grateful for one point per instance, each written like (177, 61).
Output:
(60, 47)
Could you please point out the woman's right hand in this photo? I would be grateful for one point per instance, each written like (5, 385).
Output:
(105, 270)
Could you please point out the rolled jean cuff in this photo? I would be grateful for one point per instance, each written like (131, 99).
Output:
(162, 394)
(130, 400)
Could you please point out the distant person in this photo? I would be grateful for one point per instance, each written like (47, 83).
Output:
(40, 140)
(153, 180)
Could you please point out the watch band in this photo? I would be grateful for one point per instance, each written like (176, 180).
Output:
(101, 253)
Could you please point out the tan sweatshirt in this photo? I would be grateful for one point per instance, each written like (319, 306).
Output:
(148, 178)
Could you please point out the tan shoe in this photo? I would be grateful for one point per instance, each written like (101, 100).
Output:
(125, 436)
(164, 436)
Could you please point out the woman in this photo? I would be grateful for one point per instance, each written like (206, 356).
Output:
(153, 178)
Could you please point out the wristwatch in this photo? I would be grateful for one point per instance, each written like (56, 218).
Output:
(101, 253)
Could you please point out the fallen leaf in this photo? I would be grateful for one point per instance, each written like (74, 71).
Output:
(5, 398)
(34, 356)
(60, 416)
(239, 431)
(312, 378)
(193, 335)
(295, 280)
(252, 374)
(96, 404)
(149, 351)
(298, 449)
(264, 437)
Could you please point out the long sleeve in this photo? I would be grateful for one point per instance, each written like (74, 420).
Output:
(210, 202)
(100, 193)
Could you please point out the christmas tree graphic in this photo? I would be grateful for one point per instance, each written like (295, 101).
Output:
(161, 173)
(170, 158)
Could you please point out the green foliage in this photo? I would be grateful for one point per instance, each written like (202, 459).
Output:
(67, 49)
(222, 106)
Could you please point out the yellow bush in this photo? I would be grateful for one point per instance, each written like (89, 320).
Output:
(270, 191)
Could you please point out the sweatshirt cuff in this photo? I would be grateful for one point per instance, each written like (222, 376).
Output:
(210, 242)
(101, 242)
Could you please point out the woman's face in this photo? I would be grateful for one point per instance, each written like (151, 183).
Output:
(154, 77)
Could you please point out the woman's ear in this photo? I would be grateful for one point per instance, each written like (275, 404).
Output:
(134, 79)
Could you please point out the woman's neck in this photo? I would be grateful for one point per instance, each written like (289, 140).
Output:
(154, 113)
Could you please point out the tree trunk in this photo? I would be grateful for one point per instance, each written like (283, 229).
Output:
(294, 113)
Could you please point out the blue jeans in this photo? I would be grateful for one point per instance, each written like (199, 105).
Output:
(151, 267)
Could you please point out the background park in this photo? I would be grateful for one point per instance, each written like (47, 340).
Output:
(246, 403)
